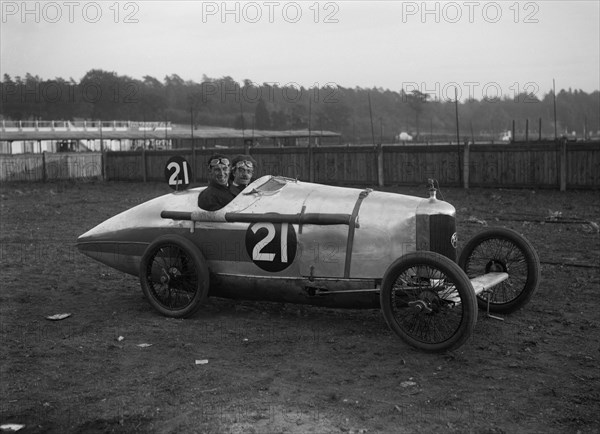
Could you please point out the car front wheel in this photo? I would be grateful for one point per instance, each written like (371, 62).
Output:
(174, 276)
(503, 250)
(428, 301)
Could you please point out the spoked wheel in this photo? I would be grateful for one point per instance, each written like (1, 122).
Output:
(428, 301)
(174, 276)
(501, 249)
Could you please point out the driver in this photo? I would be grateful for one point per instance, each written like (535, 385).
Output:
(217, 194)
(242, 169)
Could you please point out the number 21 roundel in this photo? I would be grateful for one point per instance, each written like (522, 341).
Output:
(272, 246)
(177, 173)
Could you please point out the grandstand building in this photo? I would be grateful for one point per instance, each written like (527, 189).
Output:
(18, 137)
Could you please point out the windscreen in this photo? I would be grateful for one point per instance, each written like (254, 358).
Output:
(274, 183)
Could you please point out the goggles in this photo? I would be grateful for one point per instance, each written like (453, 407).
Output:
(245, 164)
(216, 161)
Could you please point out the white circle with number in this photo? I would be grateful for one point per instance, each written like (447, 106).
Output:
(271, 246)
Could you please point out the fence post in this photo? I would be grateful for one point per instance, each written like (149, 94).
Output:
(44, 174)
(563, 165)
(193, 160)
(380, 177)
(103, 166)
(466, 167)
(311, 166)
(144, 175)
(514, 139)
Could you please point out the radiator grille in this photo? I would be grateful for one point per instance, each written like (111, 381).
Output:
(437, 233)
(442, 235)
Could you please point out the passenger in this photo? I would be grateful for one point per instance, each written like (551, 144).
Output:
(217, 194)
(242, 169)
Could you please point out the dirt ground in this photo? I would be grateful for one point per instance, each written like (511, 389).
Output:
(281, 368)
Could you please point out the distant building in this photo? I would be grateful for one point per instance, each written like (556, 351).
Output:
(404, 137)
(17, 137)
(506, 136)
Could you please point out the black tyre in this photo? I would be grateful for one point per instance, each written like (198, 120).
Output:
(428, 301)
(174, 276)
(501, 249)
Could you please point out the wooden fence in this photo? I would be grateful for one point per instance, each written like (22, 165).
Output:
(517, 165)
(539, 165)
(51, 166)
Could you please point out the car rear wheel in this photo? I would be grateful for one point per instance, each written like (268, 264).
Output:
(428, 301)
(174, 276)
(501, 249)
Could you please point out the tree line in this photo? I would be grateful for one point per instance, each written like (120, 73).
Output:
(359, 114)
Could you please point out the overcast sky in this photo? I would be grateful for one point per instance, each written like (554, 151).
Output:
(484, 47)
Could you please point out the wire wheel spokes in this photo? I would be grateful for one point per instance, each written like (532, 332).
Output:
(503, 255)
(172, 277)
(503, 250)
(421, 306)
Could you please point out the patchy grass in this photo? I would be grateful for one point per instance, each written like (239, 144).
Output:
(274, 367)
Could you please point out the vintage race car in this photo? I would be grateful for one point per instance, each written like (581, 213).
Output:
(290, 241)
